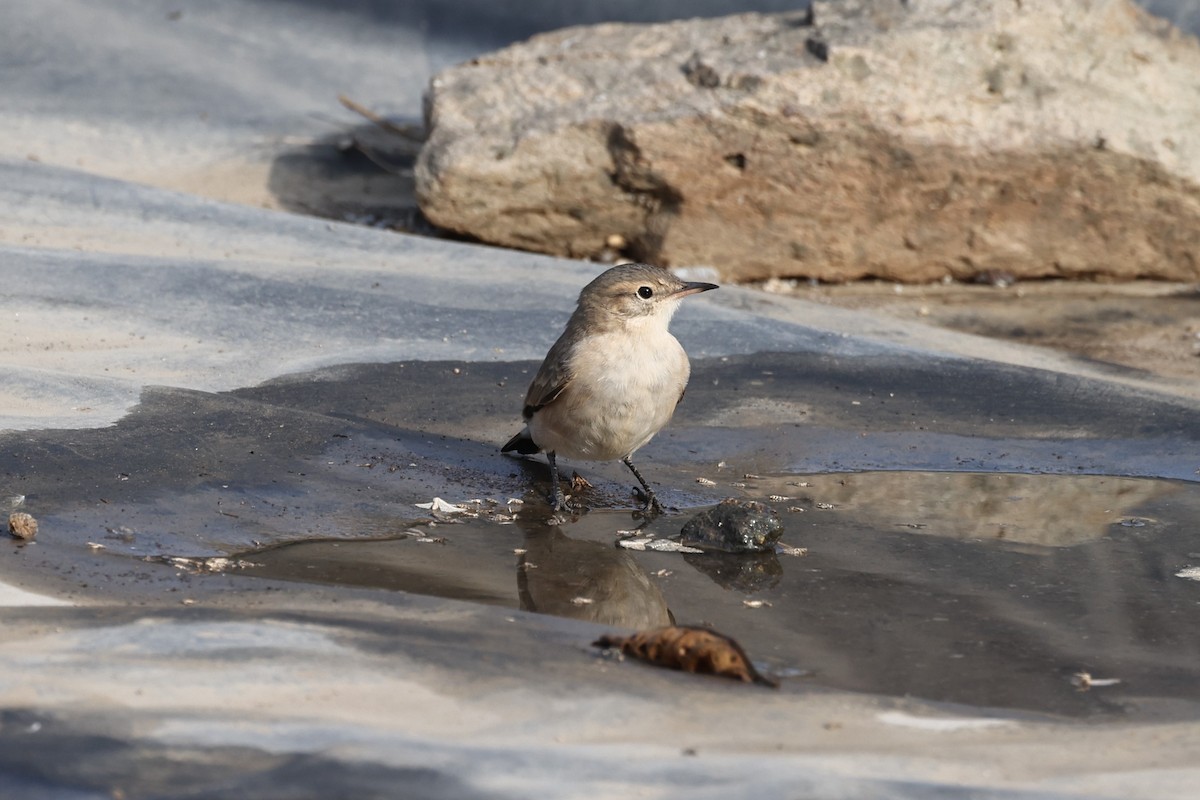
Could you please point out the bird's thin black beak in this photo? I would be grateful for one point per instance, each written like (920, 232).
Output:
(694, 288)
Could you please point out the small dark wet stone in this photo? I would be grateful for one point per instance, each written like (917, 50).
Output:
(735, 526)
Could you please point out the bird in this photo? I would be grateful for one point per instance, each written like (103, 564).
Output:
(613, 378)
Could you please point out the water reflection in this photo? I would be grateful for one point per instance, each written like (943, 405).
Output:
(589, 581)
(990, 590)
(744, 572)
(532, 565)
(1046, 510)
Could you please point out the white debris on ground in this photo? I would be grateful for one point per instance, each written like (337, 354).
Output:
(442, 507)
(657, 545)
(1085, 681)
(197, 565)
(488, 508)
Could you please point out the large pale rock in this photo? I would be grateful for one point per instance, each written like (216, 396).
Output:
(903, 140)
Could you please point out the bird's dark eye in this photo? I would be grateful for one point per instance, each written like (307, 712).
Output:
(645, 292)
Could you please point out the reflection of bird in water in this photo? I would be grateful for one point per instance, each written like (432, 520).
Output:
(588, 581)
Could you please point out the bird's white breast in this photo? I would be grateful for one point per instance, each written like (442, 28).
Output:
(624, 387)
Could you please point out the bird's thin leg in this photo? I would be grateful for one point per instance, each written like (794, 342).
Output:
(651, 501)
(557, 500)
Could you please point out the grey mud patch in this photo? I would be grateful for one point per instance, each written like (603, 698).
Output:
(975, 533)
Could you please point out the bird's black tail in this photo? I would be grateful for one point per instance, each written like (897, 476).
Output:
(522, 443)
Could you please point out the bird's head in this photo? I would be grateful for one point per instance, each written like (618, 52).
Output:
(639, 291)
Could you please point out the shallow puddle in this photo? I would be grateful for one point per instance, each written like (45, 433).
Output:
(994, 590)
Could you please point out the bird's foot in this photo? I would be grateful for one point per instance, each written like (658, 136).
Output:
(561, 502)
(650, 505)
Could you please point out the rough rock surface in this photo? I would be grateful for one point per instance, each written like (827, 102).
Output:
(734, 526)
(909, 141)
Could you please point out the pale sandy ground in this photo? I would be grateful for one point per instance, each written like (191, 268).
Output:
(584, 728)
(13, 596)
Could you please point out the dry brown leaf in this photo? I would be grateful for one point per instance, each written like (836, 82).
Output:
(690, 649)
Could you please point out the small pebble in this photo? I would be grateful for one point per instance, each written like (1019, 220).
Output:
(22, 525)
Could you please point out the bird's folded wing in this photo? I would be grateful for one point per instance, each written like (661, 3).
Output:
(552, 379)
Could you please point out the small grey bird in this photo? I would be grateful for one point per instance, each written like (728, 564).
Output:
(613, 378)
